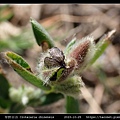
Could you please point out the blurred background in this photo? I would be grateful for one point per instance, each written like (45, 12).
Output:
(63, 21)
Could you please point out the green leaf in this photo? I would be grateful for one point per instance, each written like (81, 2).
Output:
(51, 98)
(72, 105)
(4, 103)
(101, 46)
(4, 86)
(24, 70)
(69, 46)
(18, 59)
(41, 35)
(57, 74)
(16, 108)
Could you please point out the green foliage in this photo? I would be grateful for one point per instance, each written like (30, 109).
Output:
(4, 90)
(66, 84)
(23, 69)
(52, 97)
(5, 13)
(4, 87)
(41, 34)
(101, 46)
(17, 43)
(72, 105)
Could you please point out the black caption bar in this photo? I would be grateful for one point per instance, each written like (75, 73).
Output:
(61, 116)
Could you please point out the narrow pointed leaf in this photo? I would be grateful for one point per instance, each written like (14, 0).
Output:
(24, 70)
(102, 45)
(41, 35)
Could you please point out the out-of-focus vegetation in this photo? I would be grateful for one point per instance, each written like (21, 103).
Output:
(5, 12)
(102, 80)
(17, 43)
(13, 38)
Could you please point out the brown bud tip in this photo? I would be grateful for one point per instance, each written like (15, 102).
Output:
(80, 52)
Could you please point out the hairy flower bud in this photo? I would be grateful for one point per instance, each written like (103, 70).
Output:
(52, 66)
(54, 69)
(82, 52)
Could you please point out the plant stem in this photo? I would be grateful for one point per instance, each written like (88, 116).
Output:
(72, 105)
